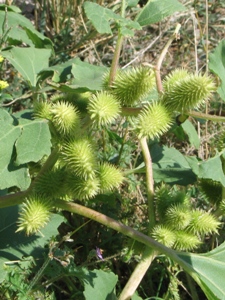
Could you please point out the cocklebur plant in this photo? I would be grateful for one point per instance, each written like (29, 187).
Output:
(78, 172)
(84, 177)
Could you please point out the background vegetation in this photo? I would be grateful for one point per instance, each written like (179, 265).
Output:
(115, 212)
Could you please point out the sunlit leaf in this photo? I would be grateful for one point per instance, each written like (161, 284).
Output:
(210, 270)
(34, 142)
(157, 10)
(101, 18)
(191, 133)
(28, 61)
(217, 65)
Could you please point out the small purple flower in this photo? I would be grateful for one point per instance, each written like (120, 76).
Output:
(99, 253)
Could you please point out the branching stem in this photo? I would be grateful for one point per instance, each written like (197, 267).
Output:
(119, 44)
(126, 230)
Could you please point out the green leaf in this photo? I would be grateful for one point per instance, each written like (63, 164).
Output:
(38, 39)
(28, 61)
(157, 10)
(10, 8)
(15, 246)
(12, 176)
(86, 77)
(132, 3)
(210, 270)
(212, 169)
(60, 72)
(136, 297)
(34, 142)
(14, 21)
(21, 30)
(99, 285)
(217, 66)
(9, 174)
(170, 166)
(29, 140)
(191, 133)
(100, 17)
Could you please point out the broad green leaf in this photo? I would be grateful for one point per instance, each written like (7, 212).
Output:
(10, 8)
(34, 142)
(193, 163)
(132, 3)
(21, 30)
(13, 20)
(87, 77)
(9, 174)
(170, 166)
(12, 176)
(14, 245)
(99, 285)
(217, 66)
(17, 36)
(60, 72)
(29, 140)
(38, 39)
(99, 16)
(212, 169)
(101, 19)
(28, 61)
(136, 297)
(210, 269)
(157, 10)
(191, 133)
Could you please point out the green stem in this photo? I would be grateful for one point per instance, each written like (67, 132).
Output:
(149, 253)
(194, 294)
(125, 230)
(122, 146)
(119, 43)
(134, 111)
(199, 115)
(138, 274)
(149, 181)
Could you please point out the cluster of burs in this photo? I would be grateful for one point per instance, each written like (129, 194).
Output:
(77, 122)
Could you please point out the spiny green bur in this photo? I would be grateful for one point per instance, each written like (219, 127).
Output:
(103, 108)
(154, 120)
(131, 85)
(80, 157)
(182, 224)
(183, 91)
(35, 214)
